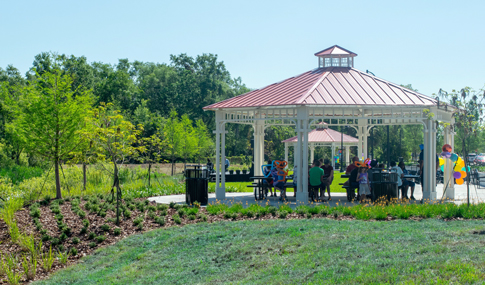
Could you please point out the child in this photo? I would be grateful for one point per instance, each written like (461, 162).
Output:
(279, 182)
(363, 184)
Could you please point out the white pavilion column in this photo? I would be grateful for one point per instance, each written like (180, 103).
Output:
(286, 152)
(220, 189)
(312, 152)
(448, 181)
(223, 157)
(366, 136)
(429, 168)
(258, 127)
(347, 154)
(302, 152)
(361, 135)
(333, 155)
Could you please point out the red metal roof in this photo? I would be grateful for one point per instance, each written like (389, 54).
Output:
(335, 50)
(325, 135)
(329, 86)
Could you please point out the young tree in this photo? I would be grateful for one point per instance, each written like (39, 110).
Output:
(50, 117)
(173, 133)
(114, 140)
(150, 151)
(204, 142)
(190, 141)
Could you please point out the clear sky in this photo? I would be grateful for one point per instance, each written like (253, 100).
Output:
(429, 44)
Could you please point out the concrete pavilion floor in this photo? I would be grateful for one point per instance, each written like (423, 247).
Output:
(247, 198)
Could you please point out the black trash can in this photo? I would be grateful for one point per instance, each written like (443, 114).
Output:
(196, 185)
(384, 184)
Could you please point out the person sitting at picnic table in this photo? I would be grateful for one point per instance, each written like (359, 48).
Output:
(227, 164)
(279, 183)
(269, 180)
(349, 169)
(316, 177)
(407, 182)
(400, 176)
(327, 172)
(352, 166)
(210, 166)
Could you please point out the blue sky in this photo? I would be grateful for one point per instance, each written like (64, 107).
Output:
(429, 44)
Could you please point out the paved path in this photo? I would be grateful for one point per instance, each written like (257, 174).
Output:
(247, 198)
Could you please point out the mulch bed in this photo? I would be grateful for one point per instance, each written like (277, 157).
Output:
(127, 226)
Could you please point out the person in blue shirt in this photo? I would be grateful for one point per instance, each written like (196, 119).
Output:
(269, 180)
(227, 163)
(421, 164)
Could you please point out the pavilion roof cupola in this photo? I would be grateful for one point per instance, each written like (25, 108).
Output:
(335, 56)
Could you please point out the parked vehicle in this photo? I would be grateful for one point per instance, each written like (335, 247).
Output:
(479, 160)
(471, 157)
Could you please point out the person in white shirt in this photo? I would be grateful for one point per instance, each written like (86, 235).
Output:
(400, 174)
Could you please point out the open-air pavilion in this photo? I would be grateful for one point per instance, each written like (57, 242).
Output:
(323, 136)
(337, 94)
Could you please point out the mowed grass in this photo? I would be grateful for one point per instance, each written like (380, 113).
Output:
(308, 251)
(242, 186)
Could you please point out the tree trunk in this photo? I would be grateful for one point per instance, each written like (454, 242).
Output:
(58, 179)
(84, 176)
(149, 168)
(173, 161)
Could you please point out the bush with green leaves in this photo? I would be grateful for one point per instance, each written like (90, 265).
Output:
(45, 238)
(160, 220)
(75, 240)
(55, 241)
(105, 227)
(127, 214)
(92, 244)
(35, 213)
(282, 214)
(162, 207)
(73, 251)
(100, 238)
(91, 235)
(176, 219)
(117, 231)
(138, 221)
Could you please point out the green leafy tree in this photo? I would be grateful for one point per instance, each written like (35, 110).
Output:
(113, 138)
(204, 142)
(50, 117)
(150, 152)
(190, 141)
(173, 137)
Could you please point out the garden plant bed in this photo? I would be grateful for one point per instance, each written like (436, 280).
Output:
(81, 225)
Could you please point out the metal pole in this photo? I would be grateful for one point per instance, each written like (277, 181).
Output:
(388, 149)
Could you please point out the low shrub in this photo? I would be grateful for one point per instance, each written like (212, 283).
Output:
(100, 238)
(75, 240)
(105, 227)
(137, 221)
(117, 231)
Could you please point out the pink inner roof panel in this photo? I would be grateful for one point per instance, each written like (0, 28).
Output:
(335, 50)
(325, 135)
(329, 86)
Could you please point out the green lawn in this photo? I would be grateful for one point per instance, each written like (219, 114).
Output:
(312, 251)
(242, 186)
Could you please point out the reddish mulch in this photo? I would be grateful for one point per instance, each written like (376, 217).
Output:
(72, 220)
